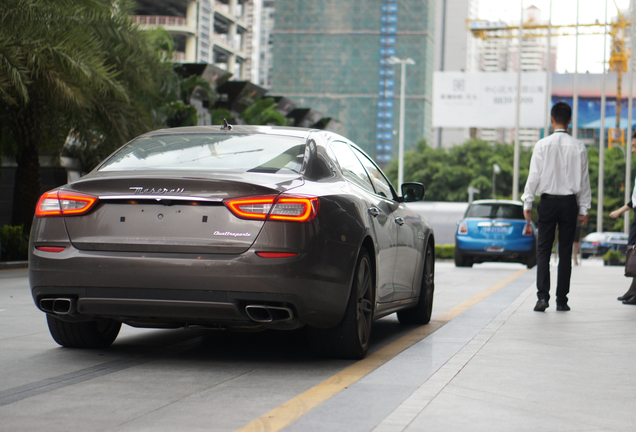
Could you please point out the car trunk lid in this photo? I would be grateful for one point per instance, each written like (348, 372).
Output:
(170, 214)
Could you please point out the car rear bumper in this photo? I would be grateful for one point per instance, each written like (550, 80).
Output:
(477, 246)
(159, 290)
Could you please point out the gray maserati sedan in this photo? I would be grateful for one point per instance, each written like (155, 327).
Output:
(244, 227)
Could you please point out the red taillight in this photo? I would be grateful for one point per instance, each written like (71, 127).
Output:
(463, 228)
(527, 230)
(272, 207)
(62, 203)
(50, 248)
(276, 254)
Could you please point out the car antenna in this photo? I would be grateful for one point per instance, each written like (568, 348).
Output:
(226, 126)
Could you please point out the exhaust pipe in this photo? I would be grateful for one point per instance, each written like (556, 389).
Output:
(58, 306)
(268, 314)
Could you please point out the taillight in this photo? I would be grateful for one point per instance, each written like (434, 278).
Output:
(63, 203)
(527, 230)
(275, 207)
(463, 228)
(50, 248)
(276, 254)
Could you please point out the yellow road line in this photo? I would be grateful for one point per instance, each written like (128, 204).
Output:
(293, 409)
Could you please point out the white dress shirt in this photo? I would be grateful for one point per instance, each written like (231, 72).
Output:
(559, 166)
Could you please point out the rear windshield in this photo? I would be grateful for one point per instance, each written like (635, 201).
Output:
(213, 152)
(495, 211)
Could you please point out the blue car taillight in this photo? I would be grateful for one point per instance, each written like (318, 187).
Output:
(463, 228)
(527, 230)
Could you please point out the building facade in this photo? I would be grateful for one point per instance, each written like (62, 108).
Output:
(218, 32)
(334, 55)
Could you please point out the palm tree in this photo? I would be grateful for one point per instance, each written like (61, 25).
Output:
(77, 65)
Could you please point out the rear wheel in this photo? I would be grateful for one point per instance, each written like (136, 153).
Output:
(462, 260)
(421, 313)
(90, 334)
(350, 339)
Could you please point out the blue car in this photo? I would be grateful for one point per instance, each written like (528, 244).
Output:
(495, 230)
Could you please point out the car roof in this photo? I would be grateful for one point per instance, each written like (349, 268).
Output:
(236, 129)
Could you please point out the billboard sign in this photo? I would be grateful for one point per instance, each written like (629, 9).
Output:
(488, 99)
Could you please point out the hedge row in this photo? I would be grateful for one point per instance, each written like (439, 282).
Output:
(445, 251)
(14, 242)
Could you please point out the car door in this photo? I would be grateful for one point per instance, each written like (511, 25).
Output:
(379, 211)
(407, 254)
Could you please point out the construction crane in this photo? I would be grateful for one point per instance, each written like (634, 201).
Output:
(617, 63)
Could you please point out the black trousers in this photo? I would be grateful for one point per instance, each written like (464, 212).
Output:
(561, 211)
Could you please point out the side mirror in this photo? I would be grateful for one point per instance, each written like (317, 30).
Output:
(412, 192)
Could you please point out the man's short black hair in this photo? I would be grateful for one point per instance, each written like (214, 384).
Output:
(634, 135)
(561, 113)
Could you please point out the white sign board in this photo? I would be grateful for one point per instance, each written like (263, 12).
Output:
(488, 99)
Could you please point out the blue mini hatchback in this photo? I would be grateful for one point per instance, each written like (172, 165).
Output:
(495, 230)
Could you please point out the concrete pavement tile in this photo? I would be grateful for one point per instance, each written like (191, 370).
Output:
(454, 412)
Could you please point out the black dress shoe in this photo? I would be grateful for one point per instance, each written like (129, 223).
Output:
(542, 305)
(563, 307)
(631, 300)
(625, 296)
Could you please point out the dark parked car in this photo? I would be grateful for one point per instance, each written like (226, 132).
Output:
(244, 227)
(495, 230)
(597, 244)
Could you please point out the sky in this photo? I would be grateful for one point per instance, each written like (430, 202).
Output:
(563, 12)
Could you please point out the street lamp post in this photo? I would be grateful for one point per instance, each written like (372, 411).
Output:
(496, 169)
(402, 63)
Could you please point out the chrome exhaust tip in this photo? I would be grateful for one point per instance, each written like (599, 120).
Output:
(58, 306)
(268, 314)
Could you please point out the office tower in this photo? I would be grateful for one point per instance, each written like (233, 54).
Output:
(334, 55)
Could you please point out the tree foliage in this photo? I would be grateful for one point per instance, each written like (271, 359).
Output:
(447, 173)
(77, 66)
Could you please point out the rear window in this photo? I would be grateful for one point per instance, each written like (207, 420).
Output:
(213, 152)
(495, 211)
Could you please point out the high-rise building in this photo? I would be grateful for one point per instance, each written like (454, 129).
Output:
(334, 55)
(217, 32)
(502, 54)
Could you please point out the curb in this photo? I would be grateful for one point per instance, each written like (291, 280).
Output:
(12, 265)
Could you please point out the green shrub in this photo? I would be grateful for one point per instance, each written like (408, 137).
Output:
(445, 251)
(15, 243)
(612, 255)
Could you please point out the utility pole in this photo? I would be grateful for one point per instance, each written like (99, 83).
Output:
(402, 64)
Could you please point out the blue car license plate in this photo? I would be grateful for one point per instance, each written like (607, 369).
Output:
(495, 229)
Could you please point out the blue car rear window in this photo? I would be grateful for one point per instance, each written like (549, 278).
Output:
(495, 211)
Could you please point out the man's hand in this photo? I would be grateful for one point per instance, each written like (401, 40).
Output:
(528, 215)
(583, 219)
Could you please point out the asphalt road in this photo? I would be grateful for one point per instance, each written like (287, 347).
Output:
(190, 379)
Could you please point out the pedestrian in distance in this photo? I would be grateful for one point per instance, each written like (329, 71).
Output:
(630, 296)
(559, 174)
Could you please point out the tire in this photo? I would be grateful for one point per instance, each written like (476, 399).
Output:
(91, 334)
(421, 313)
(350, 339)
(462, 260)
(585, 256)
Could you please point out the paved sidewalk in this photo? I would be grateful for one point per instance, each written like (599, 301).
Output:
(500, 366)
(526, 370)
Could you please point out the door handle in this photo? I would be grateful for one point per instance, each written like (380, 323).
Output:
(399, 220)
(374, 211)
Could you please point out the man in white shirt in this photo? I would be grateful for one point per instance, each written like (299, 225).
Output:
(559, 173)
